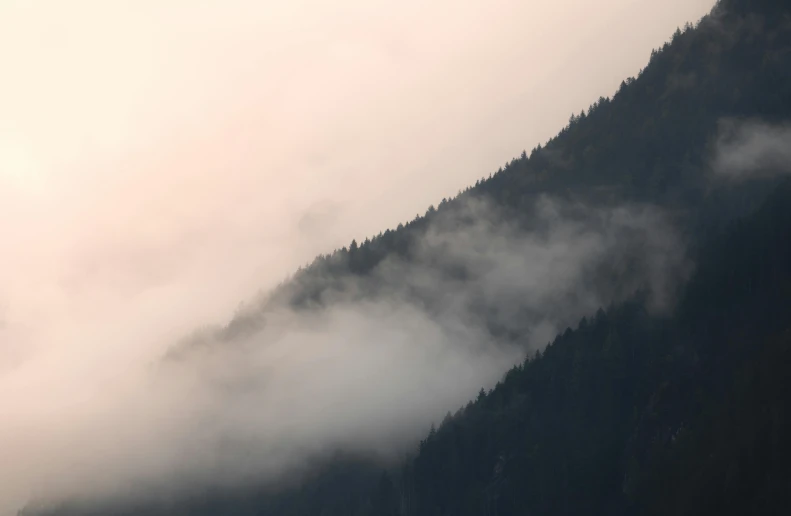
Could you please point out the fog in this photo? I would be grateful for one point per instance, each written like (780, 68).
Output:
(388, 354)
(752, 149)
(161, 162)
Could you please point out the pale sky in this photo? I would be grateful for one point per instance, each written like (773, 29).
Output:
(163, 160)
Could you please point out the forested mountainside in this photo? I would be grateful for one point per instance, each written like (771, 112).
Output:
(629, 414)
(634, 411)
(625, 414)
(652, 141)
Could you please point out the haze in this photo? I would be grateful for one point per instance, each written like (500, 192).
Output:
(161, 162)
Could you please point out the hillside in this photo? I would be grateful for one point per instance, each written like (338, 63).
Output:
(652, 141)
(652, 404)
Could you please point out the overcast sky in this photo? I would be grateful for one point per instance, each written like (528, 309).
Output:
(162, 161)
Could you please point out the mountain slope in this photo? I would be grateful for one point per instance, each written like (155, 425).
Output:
(626, 414)
(633, 414)
(651, 142)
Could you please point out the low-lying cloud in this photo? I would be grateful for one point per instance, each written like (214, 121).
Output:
(367, 373)
(751, 149)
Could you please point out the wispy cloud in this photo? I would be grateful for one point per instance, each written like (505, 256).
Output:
(750, 149)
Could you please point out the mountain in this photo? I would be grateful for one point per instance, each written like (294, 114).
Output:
(651, 142)
(637, 410)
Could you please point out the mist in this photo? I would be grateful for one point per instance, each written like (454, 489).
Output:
(366, 373)
(752, 149)
(162, 162)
